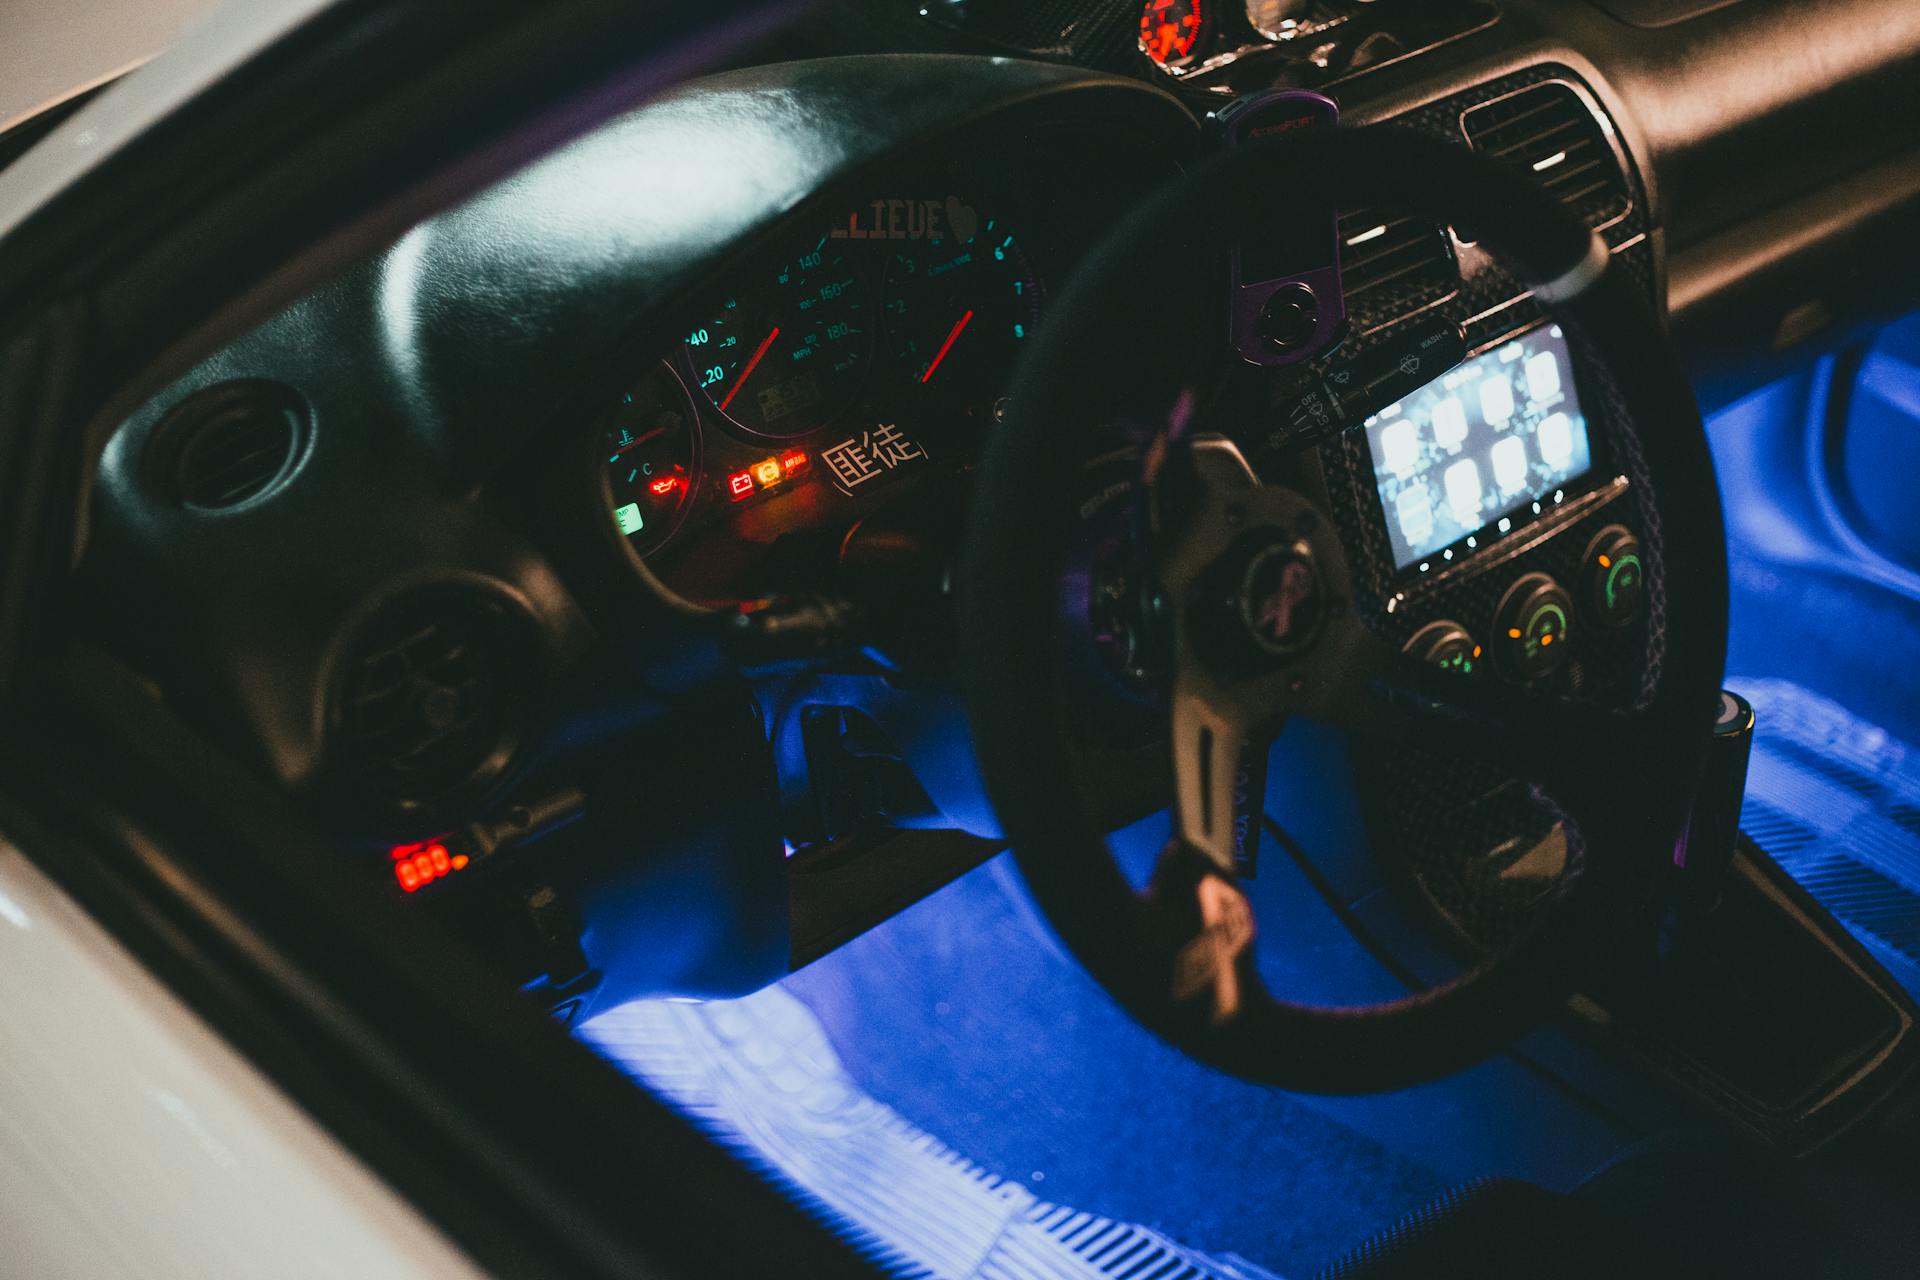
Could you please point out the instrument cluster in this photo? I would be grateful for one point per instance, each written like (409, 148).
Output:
(864, 346)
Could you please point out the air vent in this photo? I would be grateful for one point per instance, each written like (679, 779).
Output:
(1549, 129)
(230, 444)
(1392, 266)
(430, 697)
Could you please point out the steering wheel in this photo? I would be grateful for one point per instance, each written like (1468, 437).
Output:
(1264, 624)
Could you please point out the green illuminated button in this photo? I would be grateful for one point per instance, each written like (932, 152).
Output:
(1446, 645)
(1616, 578)
(1531, 627)
(629, 518)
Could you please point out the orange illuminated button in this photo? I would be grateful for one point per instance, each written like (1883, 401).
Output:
(1532, 622)
(1616, 580)
(1447, 645)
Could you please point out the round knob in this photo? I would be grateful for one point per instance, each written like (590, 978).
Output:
(1616, 580)
(1446, 645)
(1530, 626)
(1291, 316)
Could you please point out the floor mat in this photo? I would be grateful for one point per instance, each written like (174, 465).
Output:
(760, 1075)
(1835, 801)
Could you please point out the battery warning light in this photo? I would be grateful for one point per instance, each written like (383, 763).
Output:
(766, 474)
(418, 865)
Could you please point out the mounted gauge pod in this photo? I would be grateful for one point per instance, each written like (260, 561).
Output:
(1266, 623)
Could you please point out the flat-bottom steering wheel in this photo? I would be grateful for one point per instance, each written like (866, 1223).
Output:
(1178, 955)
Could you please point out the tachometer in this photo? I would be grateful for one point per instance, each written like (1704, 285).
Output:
(957, 310)
(1170, 30)
(648, 457)
(782, 359)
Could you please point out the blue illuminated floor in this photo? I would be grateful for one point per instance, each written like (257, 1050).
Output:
(759, 1073)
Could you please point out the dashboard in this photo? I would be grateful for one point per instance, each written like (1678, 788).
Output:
(402, 546)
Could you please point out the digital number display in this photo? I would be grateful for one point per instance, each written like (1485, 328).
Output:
(1476, 449)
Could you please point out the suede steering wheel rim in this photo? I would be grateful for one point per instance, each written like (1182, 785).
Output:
(1178, 956)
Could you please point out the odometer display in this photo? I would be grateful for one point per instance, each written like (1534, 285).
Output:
(787, 356)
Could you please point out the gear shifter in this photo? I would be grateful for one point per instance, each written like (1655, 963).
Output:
(1706, 848)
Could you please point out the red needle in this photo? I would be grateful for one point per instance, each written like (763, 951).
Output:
(641, 439)
(945, 347)
(758, 353)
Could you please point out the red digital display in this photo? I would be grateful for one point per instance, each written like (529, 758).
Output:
(418, 865)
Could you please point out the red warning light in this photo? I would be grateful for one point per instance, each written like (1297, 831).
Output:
(740, 484)
(793, 462)
(664, 485)
(418, 865)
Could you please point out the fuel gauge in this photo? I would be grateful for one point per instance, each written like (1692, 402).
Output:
(648, 458)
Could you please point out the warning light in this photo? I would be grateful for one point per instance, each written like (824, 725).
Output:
(418, 865)
(740, 484)
(664, 485)
(767, 473)
(793, 462)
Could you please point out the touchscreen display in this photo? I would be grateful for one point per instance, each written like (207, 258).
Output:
(1479, 446)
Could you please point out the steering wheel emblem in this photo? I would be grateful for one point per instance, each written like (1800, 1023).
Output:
(1281, 602)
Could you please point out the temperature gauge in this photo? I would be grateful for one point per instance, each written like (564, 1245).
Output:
(647, 458)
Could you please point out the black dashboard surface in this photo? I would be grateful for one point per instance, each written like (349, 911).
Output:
(471, 378)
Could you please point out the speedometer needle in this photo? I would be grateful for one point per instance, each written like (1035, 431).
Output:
(759, 353)
(953, 335)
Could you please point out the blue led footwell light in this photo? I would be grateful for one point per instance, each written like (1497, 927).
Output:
(759, 1074)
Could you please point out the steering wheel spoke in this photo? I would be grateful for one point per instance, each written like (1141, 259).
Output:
(1220, 742)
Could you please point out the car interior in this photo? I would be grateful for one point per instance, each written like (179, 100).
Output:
(1083, 638)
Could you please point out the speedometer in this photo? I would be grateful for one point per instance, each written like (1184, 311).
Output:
(787, 354)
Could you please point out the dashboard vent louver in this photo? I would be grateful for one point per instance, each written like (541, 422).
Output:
(430, 697)
(1392, 265)
(1549, 129)
(231, 444)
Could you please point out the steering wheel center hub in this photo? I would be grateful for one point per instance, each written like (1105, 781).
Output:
(1280, 600)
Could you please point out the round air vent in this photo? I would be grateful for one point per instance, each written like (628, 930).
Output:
(231, 444)
(429, 700)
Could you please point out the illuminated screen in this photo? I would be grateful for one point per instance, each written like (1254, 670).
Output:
(1479, 445)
